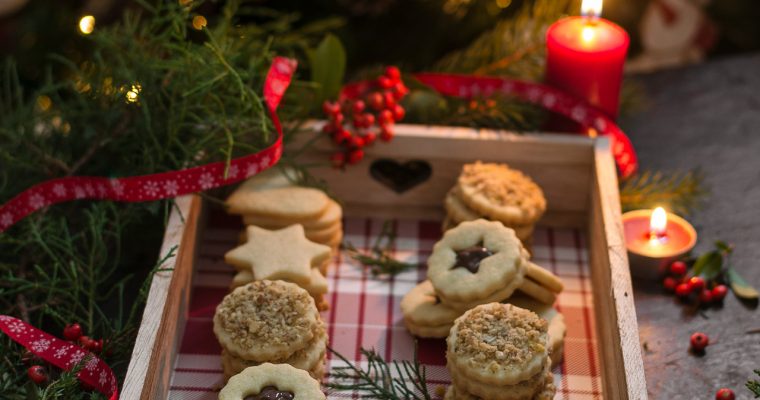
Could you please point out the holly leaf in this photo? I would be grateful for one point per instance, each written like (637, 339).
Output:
(724, 247)
(328, 65)
(708, 265)
(741, 288)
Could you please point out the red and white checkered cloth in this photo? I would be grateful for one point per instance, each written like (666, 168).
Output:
(364, 311)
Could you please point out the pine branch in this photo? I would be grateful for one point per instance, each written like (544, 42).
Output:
(680, 192)
(380, 261)
(753, 385)
(383, 380)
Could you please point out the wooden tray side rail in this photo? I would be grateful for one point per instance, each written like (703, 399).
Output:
(617, 327)
(150, 367)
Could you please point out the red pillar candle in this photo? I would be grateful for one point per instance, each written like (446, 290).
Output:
(585, 57)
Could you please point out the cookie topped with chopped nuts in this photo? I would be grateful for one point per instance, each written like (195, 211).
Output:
(498, 344)
(501, 193)
(266, 320)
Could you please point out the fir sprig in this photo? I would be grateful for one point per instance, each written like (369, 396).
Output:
(680, 192)
(754, 385)
(385, 380)
(380, 260)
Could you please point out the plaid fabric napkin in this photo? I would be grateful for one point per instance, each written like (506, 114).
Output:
(364, 311)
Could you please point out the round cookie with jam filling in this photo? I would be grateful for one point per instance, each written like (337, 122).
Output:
(266, 320)
(475, 261)
(497, 344)
(272, 382)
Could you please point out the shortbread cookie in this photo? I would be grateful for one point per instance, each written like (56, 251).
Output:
(544, 278)
(272, 381)
(306, 359)
(284, 254)
(556, 329)
(266, 320)
(332, 215)
(285, 203)
(549, 389)
(422, 307)
(458, 212)
(317, 285)
(498, 344)
(501, 193)
(496, 296)
(475, 260)
(523, 390)
(538, 292)
(423, 331)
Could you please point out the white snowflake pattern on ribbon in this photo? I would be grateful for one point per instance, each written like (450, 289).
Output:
(600, 124)
(76, 357)
(233, 172)
(40, 345)
(6, 219)
(79, 192)
(37, 201)
(206, 181)
(61, 352)
(102, 378)
(89, 189)
(171, 188)
(252, 170)
(59, 190)
(92, 363)
(151, 188)
(534, 94)
(264, 162)
(102, 190)
(16, 327)
(578, 114)
(4, 318)
(117, 187)
(549, 100)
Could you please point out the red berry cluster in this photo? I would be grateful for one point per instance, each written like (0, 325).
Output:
(73, 333)
(693, 288)
(368, 118)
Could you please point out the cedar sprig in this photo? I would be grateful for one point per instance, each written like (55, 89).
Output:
(754, 385)
(382, 379)
(681, 192)
(380, 260)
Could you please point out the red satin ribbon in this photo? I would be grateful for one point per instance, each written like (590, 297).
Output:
(163, 185)
(547, 97)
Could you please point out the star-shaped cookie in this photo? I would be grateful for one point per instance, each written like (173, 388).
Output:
(283, 254)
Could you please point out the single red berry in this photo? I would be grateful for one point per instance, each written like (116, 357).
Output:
(330, 108)
(719, 292)
(725, 394)
(696, 283)
(357, 142)
(97, 346)
(86, 342)
(389, 100)
(385, 117)
(384, 82)
(369, 119)
(678, 268)
(355, 156)
(705, 296)
(398, 113)
(328, 128)
(337, 119)
(338, 160)
(400, 90)
(683, 290)
(358, 106)
(37, 374)
(370, 138)
(375, 100)
(669, 284)
(386, 133)
(392, 73)
(699, 341)
(341, 136)
(359, 121)
(72, 331)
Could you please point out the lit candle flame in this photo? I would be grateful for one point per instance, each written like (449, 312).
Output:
(591, 8)
(658, 223)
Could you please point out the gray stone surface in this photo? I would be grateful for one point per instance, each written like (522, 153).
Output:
(706, 116)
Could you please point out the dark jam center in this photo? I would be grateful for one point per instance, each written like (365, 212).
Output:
(271, 393)
(471, 257)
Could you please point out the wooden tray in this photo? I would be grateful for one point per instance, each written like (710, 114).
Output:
(580, 184)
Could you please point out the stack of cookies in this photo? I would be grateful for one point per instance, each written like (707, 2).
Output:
(499, 352)
(499, 193)
(270, 200)
(270, 322)
(477, 262)
(283, 254)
